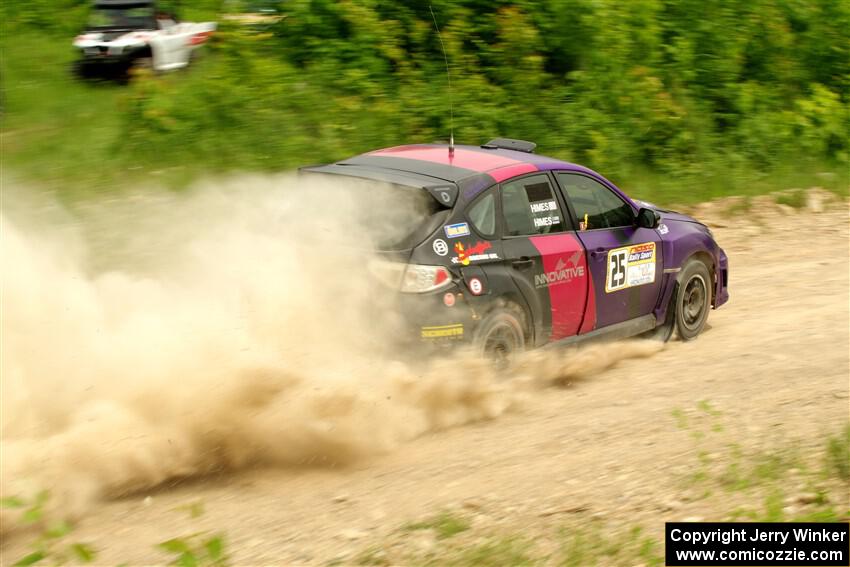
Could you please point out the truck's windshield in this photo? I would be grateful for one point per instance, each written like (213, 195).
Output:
(136, 17)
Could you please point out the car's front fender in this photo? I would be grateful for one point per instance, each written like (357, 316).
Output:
(682, 240)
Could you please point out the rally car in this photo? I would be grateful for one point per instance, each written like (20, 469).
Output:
(517, 250)
(123, 33)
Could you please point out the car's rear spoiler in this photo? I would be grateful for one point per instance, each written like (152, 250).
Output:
(444, 192)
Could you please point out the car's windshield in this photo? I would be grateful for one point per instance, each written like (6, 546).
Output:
(135, 17)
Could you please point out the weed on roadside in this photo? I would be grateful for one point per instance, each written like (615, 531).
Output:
(778, 484)
(445, 525)
(196, 550)
(52, 545)
(591, 546)
(838, 455)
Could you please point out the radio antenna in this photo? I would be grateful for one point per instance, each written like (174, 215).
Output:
(449, 78)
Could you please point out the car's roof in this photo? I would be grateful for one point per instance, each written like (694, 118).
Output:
(423, 165)
(435, 160)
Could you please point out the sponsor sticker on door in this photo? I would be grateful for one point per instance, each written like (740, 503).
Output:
(565, 271)
(630, 266)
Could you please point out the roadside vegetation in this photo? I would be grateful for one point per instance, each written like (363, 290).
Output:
(55, 543)
(675, 101)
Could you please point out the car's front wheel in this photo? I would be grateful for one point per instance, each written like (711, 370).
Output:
(501, 337)
(693, 299)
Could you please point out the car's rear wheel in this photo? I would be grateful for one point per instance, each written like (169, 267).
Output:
(693, 299)
(501, 337)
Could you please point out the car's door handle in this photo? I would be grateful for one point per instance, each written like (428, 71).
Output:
(523, 263)
(598, 253)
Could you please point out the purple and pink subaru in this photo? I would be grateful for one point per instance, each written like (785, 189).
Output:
(516, 250)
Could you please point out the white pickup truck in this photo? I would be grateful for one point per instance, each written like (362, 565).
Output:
(126, 33)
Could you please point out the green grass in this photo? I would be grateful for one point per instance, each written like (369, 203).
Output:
(784, 483)
(574, 546)
(837, 454)
(57, 130)
(495, 552)
(589, 545)
(64, 134)
(445, 525)
(53, 543)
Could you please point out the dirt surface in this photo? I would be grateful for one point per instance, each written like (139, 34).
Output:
(772, 365)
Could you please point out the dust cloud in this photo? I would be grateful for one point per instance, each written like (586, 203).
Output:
(157, 336)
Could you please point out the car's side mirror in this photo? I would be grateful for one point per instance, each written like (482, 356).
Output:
(647, 218)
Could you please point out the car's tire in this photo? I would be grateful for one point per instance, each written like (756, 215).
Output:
(500, 337)
(693, 299)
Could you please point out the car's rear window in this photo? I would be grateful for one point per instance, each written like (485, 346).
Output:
(394, 217)
(408, 214)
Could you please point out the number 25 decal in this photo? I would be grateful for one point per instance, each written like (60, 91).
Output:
(616, 270)
(630, 266)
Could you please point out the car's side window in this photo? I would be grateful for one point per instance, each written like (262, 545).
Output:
(530, 207)
(482, 214)
(595, 205)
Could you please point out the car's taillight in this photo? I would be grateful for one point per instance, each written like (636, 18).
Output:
(420, 279)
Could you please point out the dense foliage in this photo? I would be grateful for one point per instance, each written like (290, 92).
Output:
(686, 87)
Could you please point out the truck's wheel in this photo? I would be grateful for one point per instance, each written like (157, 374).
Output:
(501, 337)
(693, 299)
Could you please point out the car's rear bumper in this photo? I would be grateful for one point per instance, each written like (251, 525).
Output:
(430, 321)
